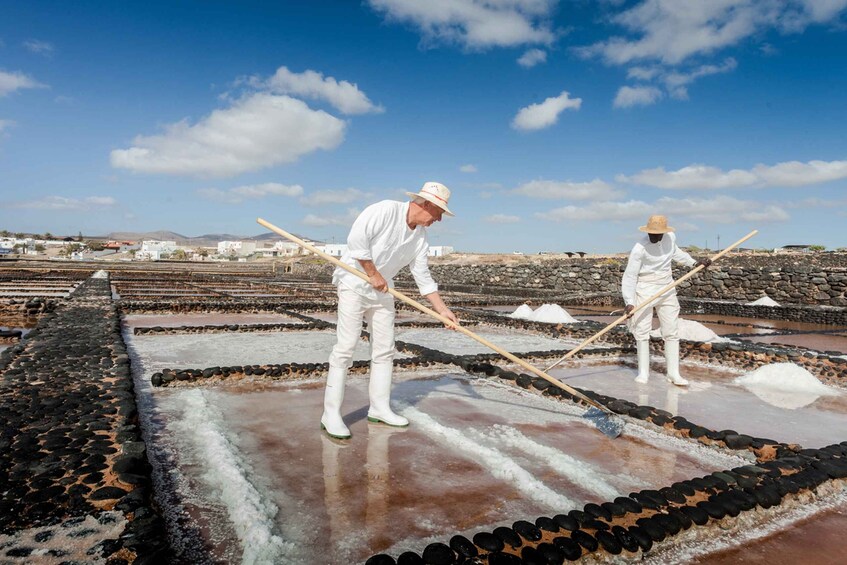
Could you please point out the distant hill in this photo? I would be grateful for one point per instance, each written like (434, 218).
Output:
(206, 240)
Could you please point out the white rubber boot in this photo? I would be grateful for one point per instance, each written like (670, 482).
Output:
(379, 390)
(643, 349)
(333, 397)
(672, 361)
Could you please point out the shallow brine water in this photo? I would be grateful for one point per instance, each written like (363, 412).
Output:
(263, 484)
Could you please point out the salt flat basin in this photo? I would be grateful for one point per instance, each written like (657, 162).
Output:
(262, 482)
(819, 541)
(714, 401)
(400, 316)
(176, 320)
(816, 342)
(457, 343)
(197, 351)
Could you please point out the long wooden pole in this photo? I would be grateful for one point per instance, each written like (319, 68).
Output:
(446, 321)
(647, 302)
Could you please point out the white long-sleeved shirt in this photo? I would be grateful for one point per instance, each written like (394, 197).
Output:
(381, 234)
(653, 260)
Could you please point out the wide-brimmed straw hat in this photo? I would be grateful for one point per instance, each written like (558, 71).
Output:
(657, 224)
(434, 192)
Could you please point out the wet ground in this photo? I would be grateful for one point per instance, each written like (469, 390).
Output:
(495, 452)
(249, 465)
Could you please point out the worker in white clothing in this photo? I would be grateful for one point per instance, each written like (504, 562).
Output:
(386, 237)
(647, 272)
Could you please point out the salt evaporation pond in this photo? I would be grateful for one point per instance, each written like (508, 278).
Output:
(714, 400)
(260, 482)
(457, 343)
(176, 320)
(198, 351)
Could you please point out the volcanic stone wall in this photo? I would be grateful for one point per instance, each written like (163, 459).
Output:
(71, 452)
(805, 280)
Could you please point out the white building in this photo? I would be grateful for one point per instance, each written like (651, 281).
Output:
(439, 250)
(236, 248)
(334, 249)
(153, 250)
(281, 249)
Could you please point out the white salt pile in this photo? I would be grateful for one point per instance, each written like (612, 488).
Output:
(523, 312)
(547, 313)
(785, 385)
(692, 331)
(99, 275)
(763, 301)
(552, 314)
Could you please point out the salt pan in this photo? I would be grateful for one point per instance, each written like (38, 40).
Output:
(785, 385)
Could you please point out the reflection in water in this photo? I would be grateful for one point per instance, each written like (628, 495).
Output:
(336, 509)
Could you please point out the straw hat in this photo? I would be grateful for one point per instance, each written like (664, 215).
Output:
(434, 192)
(657, 224)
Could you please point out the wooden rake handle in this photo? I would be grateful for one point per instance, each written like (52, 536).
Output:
(644, 304)
(446, 321)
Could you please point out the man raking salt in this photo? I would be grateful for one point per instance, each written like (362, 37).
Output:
(386, 237)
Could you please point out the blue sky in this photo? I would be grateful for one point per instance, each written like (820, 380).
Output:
(558, 125)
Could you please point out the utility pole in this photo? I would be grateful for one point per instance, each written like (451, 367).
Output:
(719, 242)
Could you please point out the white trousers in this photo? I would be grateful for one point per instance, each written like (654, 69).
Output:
(667, 308)
(379, 314)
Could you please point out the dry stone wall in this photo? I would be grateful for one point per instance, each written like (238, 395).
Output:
(803, 280)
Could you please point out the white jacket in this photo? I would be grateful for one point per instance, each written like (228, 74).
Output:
(380, 234)
(653, 261)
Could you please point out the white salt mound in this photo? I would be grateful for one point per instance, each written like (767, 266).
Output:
(763, 301)
(785, 385)
(99, 275)
(692, 331)
(523, 312)
(547, 313)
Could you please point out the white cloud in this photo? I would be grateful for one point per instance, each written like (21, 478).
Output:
(63, 203)
(697, 176)
(671, 31)
(258, 131)
(501, 219)
(720, 210)
(330, 220)
(468, 168)
(643, 73)
(676, 82)
(629, 96)
(475, 24)
(38, 46)
(795, 173)
(252, 191)
(566, 190)
(4, 124)
(344, 96)
(545, 114)
(532, 57)
(611, 211)
(691, 177)
(10, 82)
(329, 197)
